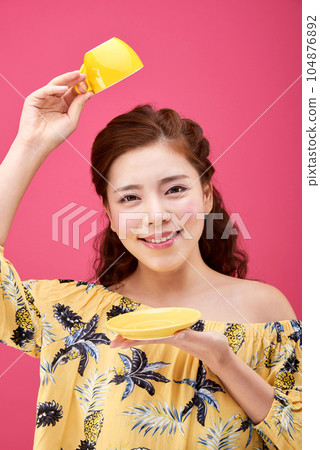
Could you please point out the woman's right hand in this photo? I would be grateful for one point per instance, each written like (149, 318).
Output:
(51, 113)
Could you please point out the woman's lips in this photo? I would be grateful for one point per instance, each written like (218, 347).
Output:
(161, 245)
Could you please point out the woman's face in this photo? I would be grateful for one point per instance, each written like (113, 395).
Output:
(154, 205)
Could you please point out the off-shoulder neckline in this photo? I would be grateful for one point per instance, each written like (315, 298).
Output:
(286, 323)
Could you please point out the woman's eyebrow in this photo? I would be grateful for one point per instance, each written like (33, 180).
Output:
(140, 186)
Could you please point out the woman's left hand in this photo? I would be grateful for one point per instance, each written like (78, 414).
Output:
(211, 347)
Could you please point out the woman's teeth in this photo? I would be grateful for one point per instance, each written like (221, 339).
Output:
(157, 241)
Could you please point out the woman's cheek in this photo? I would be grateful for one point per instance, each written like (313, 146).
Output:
(188, 213)
(127, 224)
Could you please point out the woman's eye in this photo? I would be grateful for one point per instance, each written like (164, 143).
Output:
(178, 187)
(129, 198)
(125, 197)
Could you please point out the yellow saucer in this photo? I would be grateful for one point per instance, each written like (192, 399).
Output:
(153, 323)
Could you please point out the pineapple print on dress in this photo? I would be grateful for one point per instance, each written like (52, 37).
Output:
(30, 298)
(92, 394)
(82, 341)
(92, 429)
(25, 332)
(270, 356)
(235, 333)
(284, 379)
(286, 424)
(48, 413)
(126, 305)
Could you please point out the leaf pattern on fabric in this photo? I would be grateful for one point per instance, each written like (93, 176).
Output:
(203, 393)
(198, 326)
(245, 424)
(93, 391)
(83, 283)
(157, 419)
(220, 435)
(284, 417)
(278, 327)
(48, 413)
(137, 371)
(82, 341)
(296, 336)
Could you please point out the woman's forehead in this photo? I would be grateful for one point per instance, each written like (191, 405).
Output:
(155, 162)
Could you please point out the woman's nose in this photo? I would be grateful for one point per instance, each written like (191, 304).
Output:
(157, 212)
(158, 217)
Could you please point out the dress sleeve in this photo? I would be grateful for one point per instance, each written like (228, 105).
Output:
(20, 316)
(282, 427)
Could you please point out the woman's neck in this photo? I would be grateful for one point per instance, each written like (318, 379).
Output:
(162, 287)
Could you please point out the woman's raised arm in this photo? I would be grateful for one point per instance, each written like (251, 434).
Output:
(49, 116)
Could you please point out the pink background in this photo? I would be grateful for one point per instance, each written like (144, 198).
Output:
(222, 64)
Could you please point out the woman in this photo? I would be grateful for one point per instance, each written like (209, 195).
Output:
(231, 380)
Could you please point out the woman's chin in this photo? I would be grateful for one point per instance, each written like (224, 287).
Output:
(165, 264)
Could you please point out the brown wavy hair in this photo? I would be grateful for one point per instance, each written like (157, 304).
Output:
(142, 126)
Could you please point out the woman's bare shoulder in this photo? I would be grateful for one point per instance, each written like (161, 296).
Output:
(270, 304)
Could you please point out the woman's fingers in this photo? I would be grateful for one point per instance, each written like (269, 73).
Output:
(117, 341)
(82, 86)
(68, 79)
(76, 107)
(125, 343)
(47, 90)
(61, 84)
(71, 94)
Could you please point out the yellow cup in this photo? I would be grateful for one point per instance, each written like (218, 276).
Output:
(108, 64)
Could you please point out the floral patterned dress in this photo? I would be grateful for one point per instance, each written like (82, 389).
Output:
(147, 397)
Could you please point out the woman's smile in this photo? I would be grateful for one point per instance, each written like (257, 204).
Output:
(159, 244)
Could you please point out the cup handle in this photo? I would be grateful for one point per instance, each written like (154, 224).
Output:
(89, 88)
